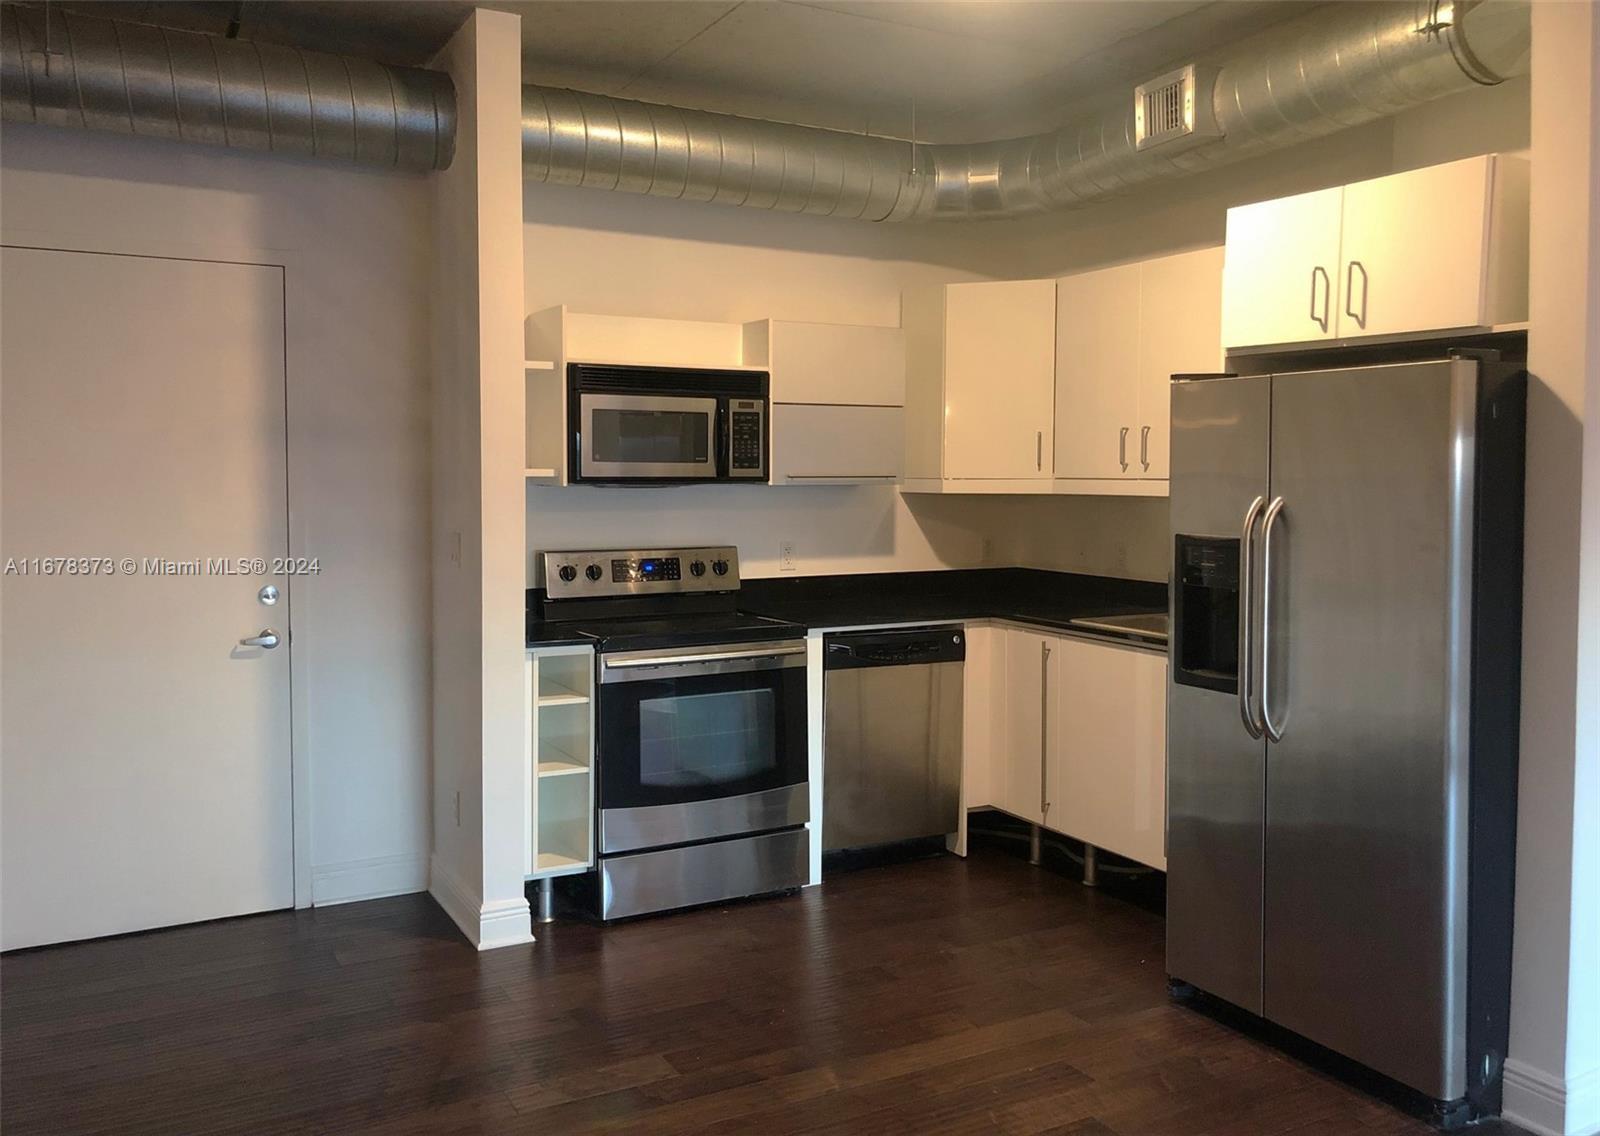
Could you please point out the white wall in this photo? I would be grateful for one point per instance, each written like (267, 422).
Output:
(481, 701)
(357, 308)
(1553, 1075)
(617, 254)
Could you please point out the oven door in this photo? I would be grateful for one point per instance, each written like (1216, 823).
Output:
(635, 436)
(700, 743)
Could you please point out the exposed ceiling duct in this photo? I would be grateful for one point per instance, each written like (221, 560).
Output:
(1335, 67)
(69, 69)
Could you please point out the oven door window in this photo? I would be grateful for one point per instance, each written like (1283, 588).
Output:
(647, 436)
(676, 740)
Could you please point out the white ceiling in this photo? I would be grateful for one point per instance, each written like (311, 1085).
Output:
(973, 68)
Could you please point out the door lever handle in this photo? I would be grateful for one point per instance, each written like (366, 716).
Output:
(268, 639)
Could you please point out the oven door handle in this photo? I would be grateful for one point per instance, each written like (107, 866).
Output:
(641, 659)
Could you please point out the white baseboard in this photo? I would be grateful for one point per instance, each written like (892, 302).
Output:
(1545, 1104)
(505, 923)
(368, 879)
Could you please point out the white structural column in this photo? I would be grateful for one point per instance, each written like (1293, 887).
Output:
(476, 870)
(1553, 1071)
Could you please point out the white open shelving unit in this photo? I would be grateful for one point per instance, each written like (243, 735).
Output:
(560, 764)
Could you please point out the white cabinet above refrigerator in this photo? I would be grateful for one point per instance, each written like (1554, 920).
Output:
(1438, 249)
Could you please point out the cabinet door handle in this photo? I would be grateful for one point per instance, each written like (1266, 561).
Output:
(1044, 731)
(1349, 293)
(1038, 450)
(1327, 292)
(1144, 447)
(1122, 449)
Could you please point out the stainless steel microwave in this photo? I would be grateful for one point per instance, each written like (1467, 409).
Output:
(637, 425)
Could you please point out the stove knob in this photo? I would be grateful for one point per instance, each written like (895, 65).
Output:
(720, 567)
(697, 568)
(593, 572)
(568, 573)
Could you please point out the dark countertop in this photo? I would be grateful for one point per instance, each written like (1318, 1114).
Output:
(542, 634)
(1026, 595)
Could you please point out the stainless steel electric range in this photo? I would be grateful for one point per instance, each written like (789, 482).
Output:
(701, 728)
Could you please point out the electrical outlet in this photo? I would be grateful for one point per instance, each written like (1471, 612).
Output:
(786, 556)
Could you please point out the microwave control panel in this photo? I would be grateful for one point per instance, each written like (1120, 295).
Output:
(747, 438)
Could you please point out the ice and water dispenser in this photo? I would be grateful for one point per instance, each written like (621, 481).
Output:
(1205, 616)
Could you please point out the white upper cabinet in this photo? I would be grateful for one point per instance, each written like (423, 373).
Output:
(1280, 280)
(1121, 334)
(1180, 332)
(1435, 249)
(837, 394)
(980, 386)
(1097, 366)
(1432, 249)
(999, 395)
(829, 364)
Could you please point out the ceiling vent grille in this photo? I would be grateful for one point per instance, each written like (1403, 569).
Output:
(1175, 107)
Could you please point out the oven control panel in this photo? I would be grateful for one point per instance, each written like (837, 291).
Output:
(635, 572)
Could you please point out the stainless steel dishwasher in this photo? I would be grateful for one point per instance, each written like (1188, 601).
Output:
(891, 764)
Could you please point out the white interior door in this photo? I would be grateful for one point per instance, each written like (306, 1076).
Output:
(146, 753)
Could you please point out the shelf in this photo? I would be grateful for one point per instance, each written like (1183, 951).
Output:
(538, 364)
(542, 475)
(551, 694)
(561, 767)
(555, 864)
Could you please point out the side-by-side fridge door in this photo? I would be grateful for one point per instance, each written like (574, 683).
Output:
(1221, 431)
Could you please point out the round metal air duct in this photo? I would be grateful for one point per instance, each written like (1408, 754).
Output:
(1337, 66)
(69, 69)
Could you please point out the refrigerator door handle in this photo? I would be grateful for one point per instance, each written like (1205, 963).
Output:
(1247, 638)
(1273, 731)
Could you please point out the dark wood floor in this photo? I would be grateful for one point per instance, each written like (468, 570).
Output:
(937, 996)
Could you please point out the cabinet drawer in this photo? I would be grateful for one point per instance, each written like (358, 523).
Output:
(820, 445)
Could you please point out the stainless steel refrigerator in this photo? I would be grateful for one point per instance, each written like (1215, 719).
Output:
(1346, 603)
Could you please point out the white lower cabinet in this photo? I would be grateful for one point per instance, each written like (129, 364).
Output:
(1084, 741)
(1017, 781)
(1106, 748)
